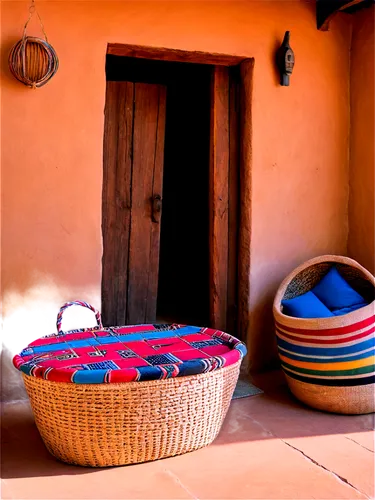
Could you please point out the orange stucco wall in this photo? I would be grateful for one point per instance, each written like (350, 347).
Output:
(362, 160)
(52, 148)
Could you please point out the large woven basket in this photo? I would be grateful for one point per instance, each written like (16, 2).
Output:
(100, 425)
(118, 423)
(329, 362)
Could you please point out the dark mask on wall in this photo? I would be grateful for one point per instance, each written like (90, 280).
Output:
(285, 60)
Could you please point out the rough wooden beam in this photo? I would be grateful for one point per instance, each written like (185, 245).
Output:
(219, 172)
(163, 54)
(244, 244)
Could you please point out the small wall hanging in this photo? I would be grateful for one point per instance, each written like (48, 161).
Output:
(285, 60)
(33, 61)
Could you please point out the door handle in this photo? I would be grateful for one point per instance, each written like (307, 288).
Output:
(156, 208)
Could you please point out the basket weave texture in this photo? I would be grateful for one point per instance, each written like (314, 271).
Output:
(329, 362)
(33, 61)
(116, 424)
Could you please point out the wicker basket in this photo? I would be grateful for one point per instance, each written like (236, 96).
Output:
(118, 423)
(320, 356)
(100, 425)
(32, 60)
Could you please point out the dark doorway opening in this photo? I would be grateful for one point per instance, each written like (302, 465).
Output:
(184, 253)
(183, 280)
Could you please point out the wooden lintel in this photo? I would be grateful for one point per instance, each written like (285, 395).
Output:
(176, 55)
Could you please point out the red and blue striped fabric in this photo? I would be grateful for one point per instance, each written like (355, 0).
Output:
(342, 356)
(128, 353)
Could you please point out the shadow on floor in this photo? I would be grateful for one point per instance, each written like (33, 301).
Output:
(278, 414)
(23, 453)
(275, 414)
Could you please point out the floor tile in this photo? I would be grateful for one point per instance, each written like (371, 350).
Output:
(270, 447)
(342, 457)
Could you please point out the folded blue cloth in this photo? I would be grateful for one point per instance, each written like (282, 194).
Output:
(336, 293)
(346, 310)
(306, 306)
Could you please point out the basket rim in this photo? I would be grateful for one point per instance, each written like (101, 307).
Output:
(364, 312)
(172, 381)
(236, 351)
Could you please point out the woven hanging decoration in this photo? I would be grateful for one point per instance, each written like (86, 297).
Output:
(33, 61)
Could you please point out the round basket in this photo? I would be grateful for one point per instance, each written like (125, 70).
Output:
(101, 425)
(106, 396)
(329, 362)
(33, 61)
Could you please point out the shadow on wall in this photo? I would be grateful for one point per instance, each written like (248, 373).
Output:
(263, 359)
(12, 387)
(48, 300)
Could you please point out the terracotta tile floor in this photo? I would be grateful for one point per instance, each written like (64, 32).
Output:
(270, 447)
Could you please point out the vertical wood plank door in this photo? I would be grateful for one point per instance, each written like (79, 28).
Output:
(244, 241)
(224, 198)
(233, 204)
(219, 196)
(132, 191)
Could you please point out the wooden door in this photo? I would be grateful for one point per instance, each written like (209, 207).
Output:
(244, 239)
(224, 210)
(132, 194)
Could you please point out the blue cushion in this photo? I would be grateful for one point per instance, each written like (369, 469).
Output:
(346, 310)
(306, 306)
(336, 293)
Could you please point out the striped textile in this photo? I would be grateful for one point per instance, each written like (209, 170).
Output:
(128, 353)
(342, 356)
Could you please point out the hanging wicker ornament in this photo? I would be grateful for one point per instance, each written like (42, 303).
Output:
(33, 61)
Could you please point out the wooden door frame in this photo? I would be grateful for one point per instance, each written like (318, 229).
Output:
(245, 65)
